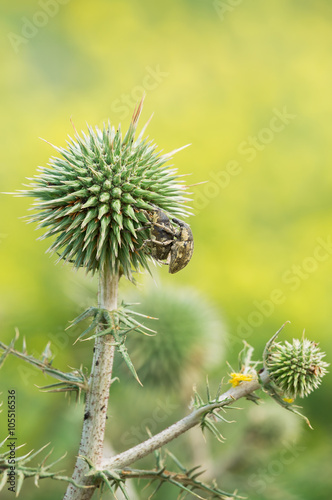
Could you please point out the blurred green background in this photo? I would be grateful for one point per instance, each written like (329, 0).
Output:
(248, 84)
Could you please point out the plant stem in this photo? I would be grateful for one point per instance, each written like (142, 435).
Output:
(96, 405)
(194, 418)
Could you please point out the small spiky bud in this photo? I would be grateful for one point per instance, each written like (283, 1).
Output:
(296, 369)
(95, 196)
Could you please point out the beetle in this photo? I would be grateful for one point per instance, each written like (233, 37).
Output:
(182, 248)
(171, 240)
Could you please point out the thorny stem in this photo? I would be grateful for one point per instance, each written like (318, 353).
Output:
(95, 411)
(194, 418)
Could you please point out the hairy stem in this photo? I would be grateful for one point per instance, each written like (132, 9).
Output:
(194, 418)
(95, 411)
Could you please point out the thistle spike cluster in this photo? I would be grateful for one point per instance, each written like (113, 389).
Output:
(93, 198)
(296, 369)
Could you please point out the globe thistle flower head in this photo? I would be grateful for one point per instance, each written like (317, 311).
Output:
(94, 197)
(295, 368)
(190, 337)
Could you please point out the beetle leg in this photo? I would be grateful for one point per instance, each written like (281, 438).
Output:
(142, 228)
(163, 227)
(161, 243)
(156, 242)
(180, 222)
(152, 224)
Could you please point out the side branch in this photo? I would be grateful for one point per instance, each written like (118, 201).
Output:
(194, 418)
(69, 381)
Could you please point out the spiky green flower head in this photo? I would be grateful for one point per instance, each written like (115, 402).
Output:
(296, 369)
(95, 196)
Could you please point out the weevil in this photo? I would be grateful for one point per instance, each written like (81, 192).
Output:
(171, 240)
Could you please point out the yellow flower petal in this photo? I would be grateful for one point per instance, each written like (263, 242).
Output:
(237, 378)
(288, 400)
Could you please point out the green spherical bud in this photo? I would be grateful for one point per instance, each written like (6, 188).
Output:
(296, 369)
(92, 198)
(189, 340)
